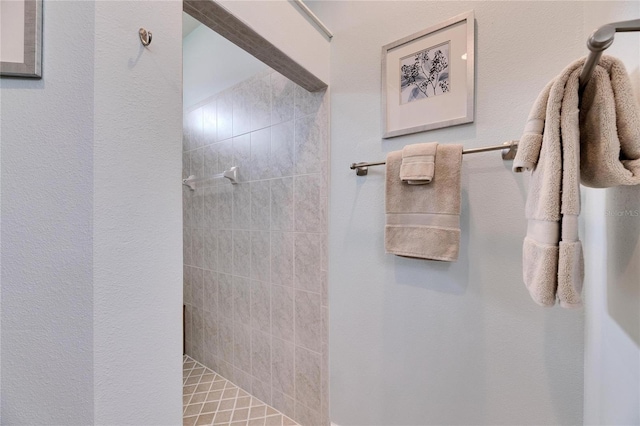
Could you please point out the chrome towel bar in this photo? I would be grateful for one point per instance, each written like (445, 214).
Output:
(231, 174)
(508, 149)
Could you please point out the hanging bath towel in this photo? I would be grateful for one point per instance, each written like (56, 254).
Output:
(423, 221)
(561, 145)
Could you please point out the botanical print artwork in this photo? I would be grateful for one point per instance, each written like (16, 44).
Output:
(425, 74)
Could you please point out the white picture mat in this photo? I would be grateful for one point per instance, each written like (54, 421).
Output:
(445, 107)
(12, 31)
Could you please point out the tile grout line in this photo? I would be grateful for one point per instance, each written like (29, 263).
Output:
(271, 287)
(194, 388)
(230, 138)
(294, 281)
(228, 383)
(190, 396)
(235, 403)
(199, 381)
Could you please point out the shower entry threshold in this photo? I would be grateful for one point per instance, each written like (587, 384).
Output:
(210, 399)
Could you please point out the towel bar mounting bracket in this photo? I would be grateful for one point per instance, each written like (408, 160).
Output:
(509, 153)
(362, 170)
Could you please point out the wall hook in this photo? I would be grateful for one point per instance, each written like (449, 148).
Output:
(145, 37)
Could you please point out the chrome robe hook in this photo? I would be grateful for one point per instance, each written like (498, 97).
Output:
(145, 37)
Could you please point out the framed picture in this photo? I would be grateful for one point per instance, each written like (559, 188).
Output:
(428, 78)
(21, 38)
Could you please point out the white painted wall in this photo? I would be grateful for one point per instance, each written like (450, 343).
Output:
(188, 24)
(419, 342)
(612, 252)
(46, 139)
(282, 24)
(211, 63)
(138, 214)
(91, 221)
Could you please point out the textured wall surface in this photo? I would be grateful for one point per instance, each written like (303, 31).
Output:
(91, 229)
(137, 224)
(255, 252)
(46, 131)
(419, 342)
(611, 221)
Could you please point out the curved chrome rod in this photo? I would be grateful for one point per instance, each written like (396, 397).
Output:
(509, 150)
(599, 41)
(231, 174)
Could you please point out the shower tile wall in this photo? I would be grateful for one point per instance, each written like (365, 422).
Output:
(255, 261)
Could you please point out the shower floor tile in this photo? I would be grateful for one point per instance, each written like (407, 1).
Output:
(210, 399)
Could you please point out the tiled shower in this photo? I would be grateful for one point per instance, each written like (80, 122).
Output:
(255, 253)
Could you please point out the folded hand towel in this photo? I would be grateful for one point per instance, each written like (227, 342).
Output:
(609, 128)
(418, 163)
(423, 221)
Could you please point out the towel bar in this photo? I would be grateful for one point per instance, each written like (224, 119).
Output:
(508, 153)
(231, 174)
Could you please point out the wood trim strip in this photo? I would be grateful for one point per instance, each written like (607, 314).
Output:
(220, 20)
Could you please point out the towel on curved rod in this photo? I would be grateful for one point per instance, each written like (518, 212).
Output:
(567, 139)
